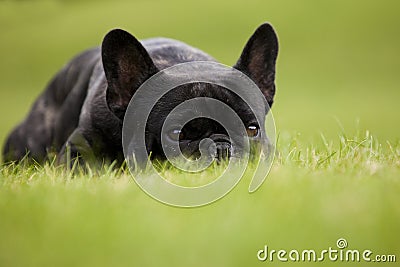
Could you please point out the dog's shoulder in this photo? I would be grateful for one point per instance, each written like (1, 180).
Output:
(166, 52)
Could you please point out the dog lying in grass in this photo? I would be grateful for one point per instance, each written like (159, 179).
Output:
(82, 109)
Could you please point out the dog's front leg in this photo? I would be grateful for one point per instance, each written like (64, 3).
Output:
(76, 149)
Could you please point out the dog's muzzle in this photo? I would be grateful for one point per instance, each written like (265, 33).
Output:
(222, 148)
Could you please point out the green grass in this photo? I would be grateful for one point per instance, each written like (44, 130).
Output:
(311, 198)
(336, 173)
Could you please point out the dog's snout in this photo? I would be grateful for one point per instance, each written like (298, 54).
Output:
(223, 146)
(223, 150)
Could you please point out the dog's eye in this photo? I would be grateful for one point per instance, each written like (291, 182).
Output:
(252, 130)
(175, 135)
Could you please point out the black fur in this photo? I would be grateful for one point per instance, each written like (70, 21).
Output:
(82, 108)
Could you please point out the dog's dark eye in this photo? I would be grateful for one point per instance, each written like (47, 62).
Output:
(252, 130)
(175, 135)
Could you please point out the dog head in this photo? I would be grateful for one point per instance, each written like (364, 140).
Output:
(128, 65)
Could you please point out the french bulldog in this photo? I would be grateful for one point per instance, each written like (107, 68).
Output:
(80, 114)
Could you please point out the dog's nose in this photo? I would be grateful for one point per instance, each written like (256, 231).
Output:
(222, 148)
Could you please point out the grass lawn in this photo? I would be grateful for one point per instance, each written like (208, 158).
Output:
(336, 173)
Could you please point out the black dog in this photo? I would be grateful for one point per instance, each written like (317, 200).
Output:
(83, 107)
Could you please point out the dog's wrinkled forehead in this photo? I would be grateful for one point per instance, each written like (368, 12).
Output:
(205, 96)
(205, 91)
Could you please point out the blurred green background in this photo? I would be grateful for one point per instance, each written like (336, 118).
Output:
(338, 72)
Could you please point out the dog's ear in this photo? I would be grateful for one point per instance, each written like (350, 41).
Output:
(258, 60)
(127, 65)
